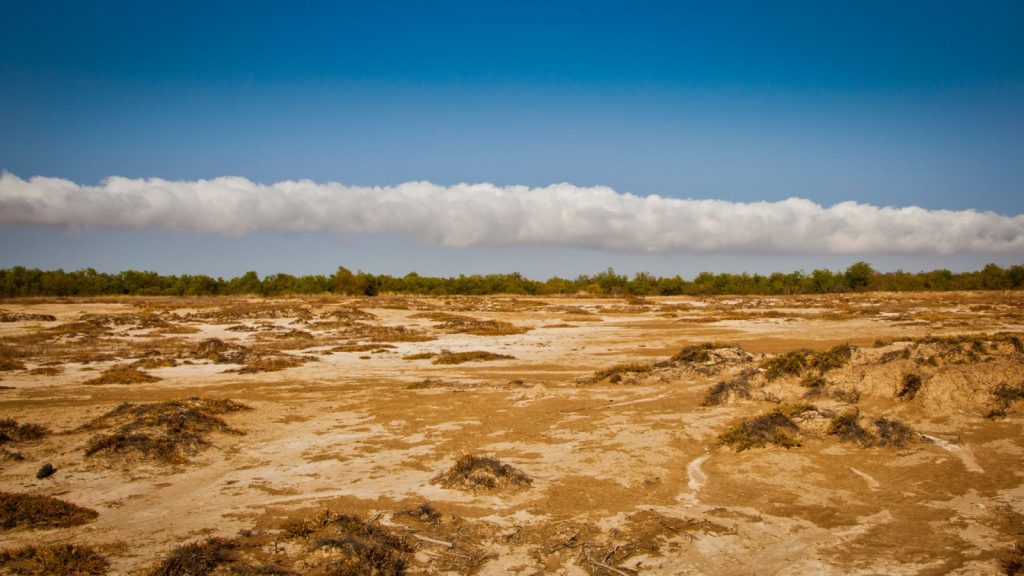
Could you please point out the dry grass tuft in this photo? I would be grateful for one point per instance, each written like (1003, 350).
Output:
(46, 371)
(695, 354)
(1003, 397)
(122, 374)
(772, 428)
(55, 559)
(419, 356)
(893, 433)
(163, 431)
(196, 558)
(847, 428)
(269, 364)
(909, 386)
(789, 364)
(31, 511)
(485, 473)
(351, 546)
(723, 391)
(11, 431)
(615, 374)
(424, 513)
(472, 356)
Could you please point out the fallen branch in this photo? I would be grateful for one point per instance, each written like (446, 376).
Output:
(611, 569)
(433, 541)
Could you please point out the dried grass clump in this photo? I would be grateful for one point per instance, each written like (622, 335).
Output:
(847, 428)
(909, 386)
(773, 428)
(1003, 397)
(893, 433)
(472, 356)
(615, 374)
(389, 334)
(220, 352)
(166, 432)
(791, 363)
(1013, 563)
(723, 391)
(122, 374)
(419, 356)
(25, 317)
(695, 354)
(350, 546)
(54, 559)
(196, 558)
(10, 455)
(424, 513)
(11, 431)
(8, 364)
(269, 364)
(31, 511)
(475, 473)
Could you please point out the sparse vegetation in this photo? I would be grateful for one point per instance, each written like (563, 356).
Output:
(122, 374)
(53, 560)
(772, 428)
(353, 547)
(419, 356)
(31, 511)
(166, 432)
(614, 374)
(1003, 397)
(846, 427)
(1013, 563)
(472, 356)
(789, 364)
(893, 433)
(424, 513)
(696, 353)
(196, 558)
(910, 385)
(721, 392)
(11, 431)
(472, 472)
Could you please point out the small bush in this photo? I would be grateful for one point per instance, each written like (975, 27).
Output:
(11, 431)
(1003, 397)
(164, 431)
(893, 433)
(776, 428)
(122, 374)
(269, 364)
(424, 513)
(831, 359)
(615, 373)
(814, 381)
(696, 353)
(791, 363)
(419, 356)
(721, 392)
(909, 387)
(847, 428)
(31, 511)
(196, 558)
(474, 473)
(55, 559)
(473, 356)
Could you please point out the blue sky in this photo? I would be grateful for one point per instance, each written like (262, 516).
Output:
(883, 103)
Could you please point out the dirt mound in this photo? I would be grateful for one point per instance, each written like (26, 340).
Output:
(482, 473)
(167, 432)
(31, 511)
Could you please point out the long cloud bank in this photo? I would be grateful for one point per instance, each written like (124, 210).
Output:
(485, 214)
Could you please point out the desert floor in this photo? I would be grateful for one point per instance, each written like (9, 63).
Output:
(355, 410)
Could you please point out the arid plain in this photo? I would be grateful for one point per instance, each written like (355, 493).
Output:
(833, 434)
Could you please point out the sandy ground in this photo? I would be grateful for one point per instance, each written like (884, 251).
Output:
(629, 476)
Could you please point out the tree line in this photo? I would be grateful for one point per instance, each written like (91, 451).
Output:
(21, 281)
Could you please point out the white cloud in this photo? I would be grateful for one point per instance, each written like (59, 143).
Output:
(485, 214)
